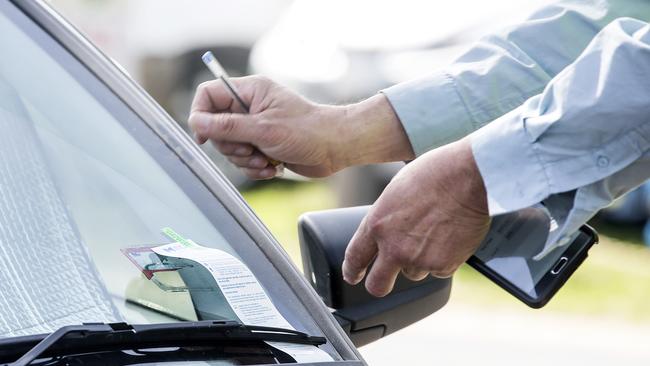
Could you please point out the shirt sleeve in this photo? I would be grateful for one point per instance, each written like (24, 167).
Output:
(573, 209)
(502, 71)
(590, 123)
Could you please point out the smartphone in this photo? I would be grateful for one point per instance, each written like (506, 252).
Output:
(506, 255)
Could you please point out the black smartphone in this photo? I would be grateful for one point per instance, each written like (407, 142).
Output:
(506, 255)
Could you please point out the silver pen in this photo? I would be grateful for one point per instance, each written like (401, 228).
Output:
(220, 73)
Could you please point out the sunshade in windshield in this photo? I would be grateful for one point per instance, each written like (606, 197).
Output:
(46, 277)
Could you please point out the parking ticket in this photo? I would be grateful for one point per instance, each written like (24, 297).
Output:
(242, 290)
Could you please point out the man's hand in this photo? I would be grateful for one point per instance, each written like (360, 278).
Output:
(313, 140)
(429, 220)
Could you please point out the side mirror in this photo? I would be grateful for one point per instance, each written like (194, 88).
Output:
(324, 235)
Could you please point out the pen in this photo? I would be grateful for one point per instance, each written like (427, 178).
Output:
(220, 73)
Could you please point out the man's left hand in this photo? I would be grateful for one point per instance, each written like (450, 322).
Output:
(428, 221)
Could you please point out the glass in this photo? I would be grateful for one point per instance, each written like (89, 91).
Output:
(84, 181)
(513, 242)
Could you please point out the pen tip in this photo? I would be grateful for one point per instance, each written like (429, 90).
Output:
(207, 57)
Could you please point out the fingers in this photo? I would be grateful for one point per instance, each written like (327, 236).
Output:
(225, 127)
(212, 96)
(415, 274)
(234, 148)
(385, 269)
(358, 255)
(443, 274)
(382, 276)
(253, 161)
(260, 174)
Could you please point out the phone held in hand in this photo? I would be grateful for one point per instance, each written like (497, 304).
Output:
(506, 255)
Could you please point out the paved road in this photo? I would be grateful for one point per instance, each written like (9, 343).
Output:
(469, 335)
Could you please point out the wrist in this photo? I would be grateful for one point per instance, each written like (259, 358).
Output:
(465, 178)
(370, 132)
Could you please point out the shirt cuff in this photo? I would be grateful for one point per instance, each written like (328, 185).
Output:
(513, 174)
(431, 111)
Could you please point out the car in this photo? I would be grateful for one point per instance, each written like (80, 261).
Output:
(122, 242)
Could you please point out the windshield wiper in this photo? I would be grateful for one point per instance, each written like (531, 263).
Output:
(98, 337)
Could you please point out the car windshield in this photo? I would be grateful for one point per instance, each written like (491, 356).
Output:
(89, 196)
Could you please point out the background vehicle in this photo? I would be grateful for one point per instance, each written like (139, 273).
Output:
(165, 60)
(348, 60)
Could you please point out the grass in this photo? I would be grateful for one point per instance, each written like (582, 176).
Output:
(279, 204)
(614, 282)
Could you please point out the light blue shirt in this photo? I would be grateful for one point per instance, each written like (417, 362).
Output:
(561, 103)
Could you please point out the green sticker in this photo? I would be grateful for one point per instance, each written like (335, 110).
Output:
(176, 237)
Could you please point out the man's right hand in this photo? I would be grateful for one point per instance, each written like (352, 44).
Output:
(313, 140)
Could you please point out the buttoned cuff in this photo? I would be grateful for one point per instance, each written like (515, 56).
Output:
(431, 111)
(513, 175)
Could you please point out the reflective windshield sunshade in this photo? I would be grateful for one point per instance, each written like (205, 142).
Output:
(44, 269)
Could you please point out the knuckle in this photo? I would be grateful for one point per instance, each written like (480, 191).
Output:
(375, 226)
(414, 274)
(261, 79)
(203, 87)
(435, 265)
(446, 273)
(265, 126)
(224, 125)
(442, 268)
(271, 131)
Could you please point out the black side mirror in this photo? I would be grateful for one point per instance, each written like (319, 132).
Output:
(324, 235)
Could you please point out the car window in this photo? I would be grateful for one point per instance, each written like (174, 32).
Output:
(85, 184)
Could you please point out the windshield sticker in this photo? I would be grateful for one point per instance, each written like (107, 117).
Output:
(241, 289)
(146, 260)
(174, 236)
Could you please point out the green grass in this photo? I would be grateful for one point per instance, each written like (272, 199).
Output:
(614, 282)
(279, 204)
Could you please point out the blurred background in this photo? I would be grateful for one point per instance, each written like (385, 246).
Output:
(340, 51)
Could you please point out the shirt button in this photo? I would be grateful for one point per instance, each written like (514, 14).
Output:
(602, 161)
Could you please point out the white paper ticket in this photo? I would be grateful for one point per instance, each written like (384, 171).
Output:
(243, 292)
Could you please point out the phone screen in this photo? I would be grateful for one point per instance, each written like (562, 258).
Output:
(512, 242)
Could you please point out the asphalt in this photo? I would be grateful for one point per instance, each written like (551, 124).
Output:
(461, 334)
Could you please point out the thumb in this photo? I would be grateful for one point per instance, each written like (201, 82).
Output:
(225, 127)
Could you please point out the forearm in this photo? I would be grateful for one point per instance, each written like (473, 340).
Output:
(589, 123)
(585, 137)
(370, 132)
(501, 71)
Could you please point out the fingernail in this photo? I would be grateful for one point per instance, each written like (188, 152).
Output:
(200, 122)
(352, 281)
(267, 173)
(347, 277)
